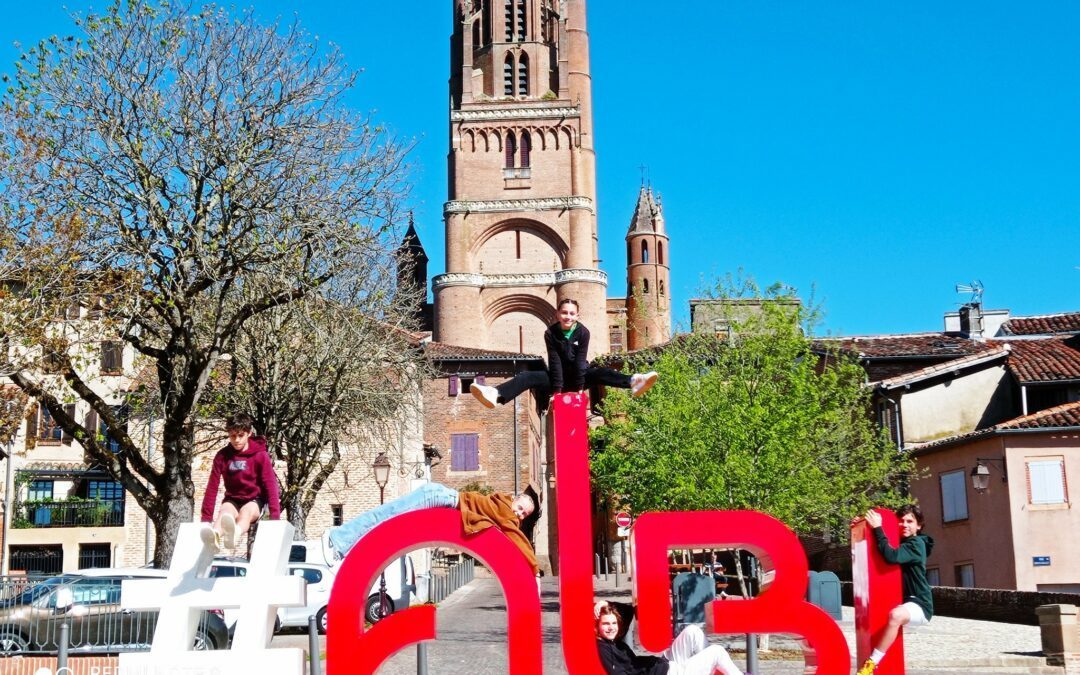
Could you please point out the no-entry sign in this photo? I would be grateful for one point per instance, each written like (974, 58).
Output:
(622, 519)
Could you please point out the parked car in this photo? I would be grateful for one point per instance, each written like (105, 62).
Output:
(90, 604)
(400, 586)
(400, 579)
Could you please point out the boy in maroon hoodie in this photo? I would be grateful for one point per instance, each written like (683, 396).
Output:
(250, 484)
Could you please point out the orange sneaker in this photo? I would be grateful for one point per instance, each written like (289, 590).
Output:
(867, 668)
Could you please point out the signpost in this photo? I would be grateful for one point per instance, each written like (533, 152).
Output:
(623, 520)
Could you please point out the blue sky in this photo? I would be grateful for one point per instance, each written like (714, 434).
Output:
(877, 153)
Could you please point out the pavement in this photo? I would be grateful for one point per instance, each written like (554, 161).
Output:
(471, 626)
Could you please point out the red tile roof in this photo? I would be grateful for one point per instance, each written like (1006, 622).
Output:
(1065, 416)
(1060, 416)
(948, 366)
(926, 345)
(1068, 322)
(1045, 360)
(440, 351)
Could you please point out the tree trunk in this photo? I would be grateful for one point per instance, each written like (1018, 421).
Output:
(176, 508)
(176, 496)
(296, 514)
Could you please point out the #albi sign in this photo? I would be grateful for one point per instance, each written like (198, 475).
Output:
(351, 648)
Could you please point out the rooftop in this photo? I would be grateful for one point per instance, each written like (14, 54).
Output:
(1067, 322)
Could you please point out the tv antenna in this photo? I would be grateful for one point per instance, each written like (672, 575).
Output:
(976, 290)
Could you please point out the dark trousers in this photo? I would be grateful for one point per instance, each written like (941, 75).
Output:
(540, 382)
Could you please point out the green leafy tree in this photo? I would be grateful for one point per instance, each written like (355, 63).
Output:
(751, 419)
(167, 175)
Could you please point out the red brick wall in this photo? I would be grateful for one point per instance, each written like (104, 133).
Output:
(77, 665)
(445, 415)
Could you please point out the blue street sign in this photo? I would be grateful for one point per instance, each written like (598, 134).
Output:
(1040, 561)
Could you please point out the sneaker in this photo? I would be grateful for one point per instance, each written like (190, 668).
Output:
(228, 529)
(488, 396)
(330, 552)
(867, 668)
(210, 538)
(642, 382)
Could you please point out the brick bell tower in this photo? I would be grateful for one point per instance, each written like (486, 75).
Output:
(521, 227)
(648, 274)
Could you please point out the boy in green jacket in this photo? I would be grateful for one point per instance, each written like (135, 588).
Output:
(911, 555)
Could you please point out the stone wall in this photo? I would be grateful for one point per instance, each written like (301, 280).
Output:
(987, 604)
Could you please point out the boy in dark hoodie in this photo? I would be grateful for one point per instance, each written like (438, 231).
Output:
(918, 607)
(250, 484)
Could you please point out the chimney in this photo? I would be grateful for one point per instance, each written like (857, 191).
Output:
(971, 320)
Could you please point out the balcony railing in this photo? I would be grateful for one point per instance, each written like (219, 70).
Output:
(94, 513)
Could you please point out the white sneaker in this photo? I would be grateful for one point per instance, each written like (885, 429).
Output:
(642, 382)
(488, 396)
(210, 538)
(228, 529)
(330, 553)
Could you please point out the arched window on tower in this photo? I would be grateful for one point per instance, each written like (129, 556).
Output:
(523, 75)
(511, 149)
(659, 253)
(508, 17)
(644, 285)
(644, 251)
(660, 287)
(521, 20)
(477, 36)
(526, 148)
(508, 75)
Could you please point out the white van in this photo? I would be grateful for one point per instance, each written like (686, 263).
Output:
(400, 578)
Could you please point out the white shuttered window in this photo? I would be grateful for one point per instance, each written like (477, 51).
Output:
(1046, 481)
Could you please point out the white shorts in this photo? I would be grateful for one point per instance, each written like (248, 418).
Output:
(918, 617)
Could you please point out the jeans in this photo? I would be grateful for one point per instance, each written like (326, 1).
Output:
(428, 495)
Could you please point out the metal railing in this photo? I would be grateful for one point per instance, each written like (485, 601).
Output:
(448, 577)
(70, 514)
(31, 622)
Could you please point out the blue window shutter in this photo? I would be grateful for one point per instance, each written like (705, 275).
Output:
(480, 380)
(472, 452)
(454, 381)
(457, 452)
(464, 452)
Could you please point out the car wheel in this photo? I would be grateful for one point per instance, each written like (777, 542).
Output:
(374, 610)
(320, 621)
(11, 642)
(203, 641)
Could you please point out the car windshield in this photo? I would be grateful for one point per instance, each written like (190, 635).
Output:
(36, 591)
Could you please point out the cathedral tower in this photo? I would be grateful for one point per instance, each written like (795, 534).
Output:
(521, 228)
(648, 275)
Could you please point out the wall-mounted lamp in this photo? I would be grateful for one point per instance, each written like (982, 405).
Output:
(980, 475)
(432, 456)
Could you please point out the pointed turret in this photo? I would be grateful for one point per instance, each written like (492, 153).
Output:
(648, 274)
(412, 260)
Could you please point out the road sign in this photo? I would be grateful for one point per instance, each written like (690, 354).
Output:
(622, 519)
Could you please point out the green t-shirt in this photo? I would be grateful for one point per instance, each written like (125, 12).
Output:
(568, 333)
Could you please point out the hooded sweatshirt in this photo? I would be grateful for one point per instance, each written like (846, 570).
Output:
(249, 476)
(911, 556)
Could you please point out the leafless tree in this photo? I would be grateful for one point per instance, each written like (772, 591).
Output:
(335, 377)
(175, 173)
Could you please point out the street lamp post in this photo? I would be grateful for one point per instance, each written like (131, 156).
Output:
(381, 468)
(5, 562)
